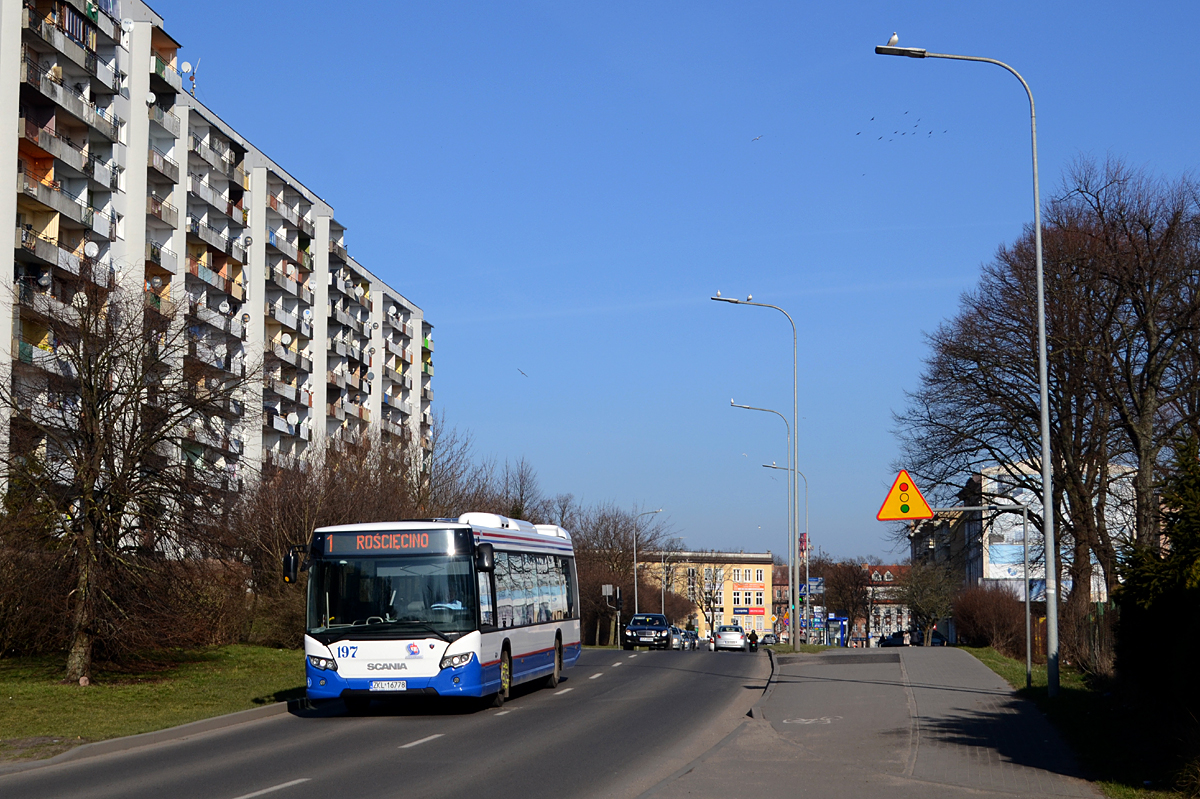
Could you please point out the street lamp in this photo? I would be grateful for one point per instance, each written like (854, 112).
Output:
(792, 576)
(792, 520)
(635, 569)
(1043, 389)
(807, 593)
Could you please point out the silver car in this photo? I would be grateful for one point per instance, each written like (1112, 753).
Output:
(677, 640)
(730, 637)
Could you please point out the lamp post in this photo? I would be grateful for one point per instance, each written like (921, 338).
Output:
(792, 576)
(807, 593)
(1043, 390)
(792, 521)
(635, 569)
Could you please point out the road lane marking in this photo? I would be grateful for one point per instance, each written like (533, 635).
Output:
(618, 663)
(502, 712)
(424, 740)
(631, 657)
(563, 691)
(594, 676)
(276, 788)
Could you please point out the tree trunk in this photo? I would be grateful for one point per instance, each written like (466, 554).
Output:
(79, 657)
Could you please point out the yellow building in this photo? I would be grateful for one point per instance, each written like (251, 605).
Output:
(722, 587)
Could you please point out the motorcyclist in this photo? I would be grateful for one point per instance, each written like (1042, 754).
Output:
(753, 641)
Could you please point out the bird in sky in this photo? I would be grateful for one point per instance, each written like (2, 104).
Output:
(519, 370)
(892, 41)
(756, 138)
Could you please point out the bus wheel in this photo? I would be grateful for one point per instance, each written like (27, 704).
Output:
(505, 679)
(552, 680)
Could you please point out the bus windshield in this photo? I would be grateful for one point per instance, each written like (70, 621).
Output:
(409, 596)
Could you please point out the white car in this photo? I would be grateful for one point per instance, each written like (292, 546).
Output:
(730, 637)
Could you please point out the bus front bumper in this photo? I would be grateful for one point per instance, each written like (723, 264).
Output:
(468, 680)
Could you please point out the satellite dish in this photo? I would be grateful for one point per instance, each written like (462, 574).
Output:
(374, 325)
(393, 311)
(91, 249)
(249, 241)
(245, 319)
(127, 25)
(290, 269)
(224, 306)
(308, 313)
(156, 282)
(212, 382)
(292, 418)
(371, 350)
(359, 290)
(151, 97)
(370, 375)
(185, 67)
(286, 338)
(44, 280)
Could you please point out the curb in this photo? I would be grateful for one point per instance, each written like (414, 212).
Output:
(160, 736)
(756, 710)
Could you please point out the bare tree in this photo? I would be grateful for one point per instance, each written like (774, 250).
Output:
(107, 410)
(928, 591)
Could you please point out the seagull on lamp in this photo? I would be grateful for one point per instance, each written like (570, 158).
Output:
(892, 41)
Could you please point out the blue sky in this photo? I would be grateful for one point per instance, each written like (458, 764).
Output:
(561, 186)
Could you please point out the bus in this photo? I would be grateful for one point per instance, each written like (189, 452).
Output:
(463, 607)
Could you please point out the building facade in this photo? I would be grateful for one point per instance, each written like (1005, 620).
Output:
(723, 587)
(124, 176)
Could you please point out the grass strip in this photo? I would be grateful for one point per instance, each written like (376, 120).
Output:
(42, 716)
(1105, 735)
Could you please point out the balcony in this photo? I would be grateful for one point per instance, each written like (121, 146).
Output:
(51, 86)
(336, 410)
(286, 318)
(61, 148)
(45, 304)
(208, 234)
(427, 368)
(427, 393)
(280, 243)
(427, 344)
(47, 251)
(56, 37)
(282, 389)
(162, 211)
(163, 164)
(199, 188)
(217, 157)
(50, 193)
(287, 354)
(338, 250)
(158, 254)
(285, 282)
(165, 119)
(197, 269)
(41, 356)
(162, 68)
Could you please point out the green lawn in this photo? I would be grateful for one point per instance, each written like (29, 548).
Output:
(1105, 735)
(42, 716)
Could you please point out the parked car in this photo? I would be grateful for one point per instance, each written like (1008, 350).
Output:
(918, 638)
(769, 639)
(693, 639)
(895, 639)
(649, 630)
(730, 637)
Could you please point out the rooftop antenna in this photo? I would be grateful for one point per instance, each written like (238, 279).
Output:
(185, 68)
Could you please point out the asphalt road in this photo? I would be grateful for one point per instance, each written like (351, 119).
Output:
(618, 724)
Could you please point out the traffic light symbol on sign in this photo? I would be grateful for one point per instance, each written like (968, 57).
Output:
(904, 502)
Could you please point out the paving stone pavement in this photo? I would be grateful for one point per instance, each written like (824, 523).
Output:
(926, 722)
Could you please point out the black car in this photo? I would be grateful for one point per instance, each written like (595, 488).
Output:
(918, 638)
(649, 630)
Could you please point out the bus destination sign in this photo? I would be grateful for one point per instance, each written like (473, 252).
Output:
(413, 542)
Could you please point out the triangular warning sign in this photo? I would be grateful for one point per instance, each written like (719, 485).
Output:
(904, 502)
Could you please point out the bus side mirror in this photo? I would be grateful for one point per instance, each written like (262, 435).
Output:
(291, 566)
(485, 558)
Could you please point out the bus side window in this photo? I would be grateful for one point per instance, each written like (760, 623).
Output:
(504, 591)
(487, 617)
(568, 569)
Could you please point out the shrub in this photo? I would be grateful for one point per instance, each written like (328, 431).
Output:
(991, 615)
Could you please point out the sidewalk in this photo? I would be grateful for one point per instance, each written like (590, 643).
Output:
(908, 722)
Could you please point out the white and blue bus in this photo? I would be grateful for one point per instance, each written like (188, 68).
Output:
(446, 607)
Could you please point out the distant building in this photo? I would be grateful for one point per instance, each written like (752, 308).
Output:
(724, 587)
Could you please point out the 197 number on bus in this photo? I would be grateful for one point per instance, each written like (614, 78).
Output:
(347, 651)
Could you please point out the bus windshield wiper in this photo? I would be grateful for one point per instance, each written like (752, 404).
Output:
(421, 624)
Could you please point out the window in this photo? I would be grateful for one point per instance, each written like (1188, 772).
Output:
(487, 616)
(758, 598)
(737, 575)
(737, 597)
(720, 575)
(758, 576)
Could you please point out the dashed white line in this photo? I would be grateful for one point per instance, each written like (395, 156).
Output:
(563, 691)
(502, 712)
(279, 787)
(618, 663)
(420, 741)
(597, 674)
(631, 657)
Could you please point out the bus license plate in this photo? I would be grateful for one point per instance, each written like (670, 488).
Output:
(389, 685)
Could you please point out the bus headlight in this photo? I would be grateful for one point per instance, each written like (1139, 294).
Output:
(454, 661)
(324, 664)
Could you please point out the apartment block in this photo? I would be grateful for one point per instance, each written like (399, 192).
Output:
(123, 177)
